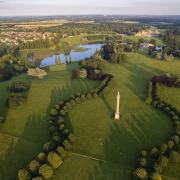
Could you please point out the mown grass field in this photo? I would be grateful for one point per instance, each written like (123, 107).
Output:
(26, 126)
(171, 96)
(105, 148)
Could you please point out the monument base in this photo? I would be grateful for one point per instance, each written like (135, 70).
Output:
(116, 116)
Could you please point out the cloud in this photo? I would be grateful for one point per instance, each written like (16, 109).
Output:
(2, 1)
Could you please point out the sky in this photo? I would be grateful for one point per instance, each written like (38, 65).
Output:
(60, 7)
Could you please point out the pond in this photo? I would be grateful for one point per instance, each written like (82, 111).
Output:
(89, 50)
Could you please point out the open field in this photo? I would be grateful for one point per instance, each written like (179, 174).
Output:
(26, 126)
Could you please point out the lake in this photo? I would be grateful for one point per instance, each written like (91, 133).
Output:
(89, 51)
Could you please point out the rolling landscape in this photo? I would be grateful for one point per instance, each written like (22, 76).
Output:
(89, 96)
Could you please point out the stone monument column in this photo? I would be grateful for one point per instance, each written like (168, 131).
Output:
(117, 114)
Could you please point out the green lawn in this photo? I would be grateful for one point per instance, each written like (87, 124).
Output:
(105, 148)
(26, 127)
(169, 95)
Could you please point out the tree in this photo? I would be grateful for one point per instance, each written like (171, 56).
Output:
(163, 161)
(42, 156)
(140, 173)
(33, 166)
(170, 144)
(23, 175)
(71, 138)
(174, 157)
(143, 162)
(163, 148)
(53, 112)
(46, 171)
(61, 151)
(54, 160)
(49, 146)
(155, 176)
(37, 178)
(67, 145)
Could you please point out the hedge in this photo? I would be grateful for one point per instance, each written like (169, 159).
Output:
(54, 151)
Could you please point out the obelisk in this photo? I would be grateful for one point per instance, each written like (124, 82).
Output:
(117, 114)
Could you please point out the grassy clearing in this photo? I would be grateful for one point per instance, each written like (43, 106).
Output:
(26, 126)
(105, 148)
(169, 95)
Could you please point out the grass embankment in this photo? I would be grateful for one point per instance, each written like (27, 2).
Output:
(106, 148)
(26, 126)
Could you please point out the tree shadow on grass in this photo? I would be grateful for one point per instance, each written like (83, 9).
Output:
(21, 150)
(126, 139)
(109, 107)
(138, 78)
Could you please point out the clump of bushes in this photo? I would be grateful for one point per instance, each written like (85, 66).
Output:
(18, 86)
(18, 93)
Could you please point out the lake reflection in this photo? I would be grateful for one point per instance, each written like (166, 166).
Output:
(90, 49)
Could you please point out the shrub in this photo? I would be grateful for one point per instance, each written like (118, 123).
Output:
(176, 139)
(57, 139)
(174, 157)
(60, 120)
(54, 160)
(53, 112)
(155, 176)
(175, 118)
(158, 168)
(52, 129)
(42, 156)
(46, 171)
(62, 112)
(61, 127)
(67, 145)
(170, 144)
(49, 146)
(57, 107)
(18, 86)
(163, 161)
(23, 175)
(144, 153)
(33, 166)
(37, 178)
(140, 173)
(61, 151)
(154, 152)
(77, 99)
(143, 162)
(163, 148)
(71, 138)
(65, 132)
